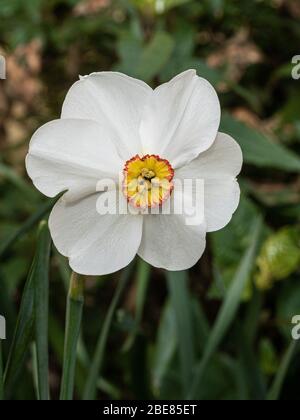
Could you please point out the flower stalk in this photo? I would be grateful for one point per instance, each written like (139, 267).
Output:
(73, 324)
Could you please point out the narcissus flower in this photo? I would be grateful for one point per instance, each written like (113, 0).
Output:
(112, 124)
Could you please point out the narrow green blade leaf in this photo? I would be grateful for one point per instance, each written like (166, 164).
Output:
(26, 319)
(97, 362)
(72, 331)
(26, 226)
(22, 336)
(276, 387)
(41, 277)
(182, 307)
(258, 149)
(228, 309)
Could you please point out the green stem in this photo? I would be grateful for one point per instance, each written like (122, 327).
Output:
(73, 324)
(142, 283)
(95, 369)
(144, 270)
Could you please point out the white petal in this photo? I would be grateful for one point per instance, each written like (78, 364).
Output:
(114, 100)
(173, 240)
(71, 155)
(221, 201)
(171, 244)
(182, 119)
(218, 167)
(95, 244)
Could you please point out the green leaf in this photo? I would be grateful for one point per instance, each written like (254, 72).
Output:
(228, 309)
(182, 306)
(258, 149)
(155, 55)
(276, 387)
(219, 379)
(72, 332)
(26, 319)
(41, 310)
(26, 226)
(97, 362)
(129, 48)
(22, 336)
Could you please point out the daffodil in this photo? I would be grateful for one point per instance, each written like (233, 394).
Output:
(116, 127)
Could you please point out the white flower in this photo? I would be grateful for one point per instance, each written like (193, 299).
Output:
(112, 123)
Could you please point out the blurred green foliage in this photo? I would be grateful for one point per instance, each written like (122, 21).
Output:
(210, 332)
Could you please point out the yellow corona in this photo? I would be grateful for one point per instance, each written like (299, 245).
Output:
(147, 181)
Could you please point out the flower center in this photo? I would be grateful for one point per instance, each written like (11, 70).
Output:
(147, 173)
(147, 181)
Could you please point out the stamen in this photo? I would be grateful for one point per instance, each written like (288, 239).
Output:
(147, 173)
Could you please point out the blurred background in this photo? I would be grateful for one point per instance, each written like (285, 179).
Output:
(223, 329)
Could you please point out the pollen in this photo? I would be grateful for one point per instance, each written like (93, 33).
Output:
(147, 181)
